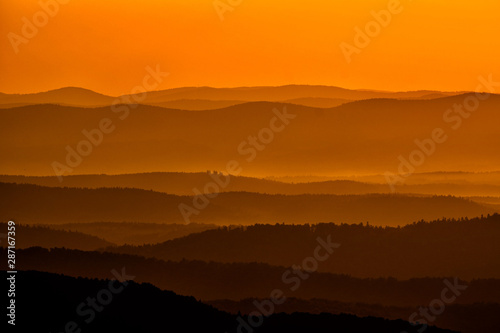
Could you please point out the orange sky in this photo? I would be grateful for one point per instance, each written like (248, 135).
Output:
(104, 45)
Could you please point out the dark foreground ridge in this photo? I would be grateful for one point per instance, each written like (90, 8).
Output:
(56, 303)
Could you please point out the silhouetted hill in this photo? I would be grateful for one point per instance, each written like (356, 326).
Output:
(30, 236)
(47, 302)
(63, 96)
(361, 137)
(466, 318)
(134, 233)
(182, 183)
(212, 280)
(465, 248)
(52, 300)
(36, 204)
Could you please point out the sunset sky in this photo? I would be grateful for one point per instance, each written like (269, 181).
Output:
(106, 45)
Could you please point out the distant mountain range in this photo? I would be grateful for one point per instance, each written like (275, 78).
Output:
(362, 137)
(200, 98)
(181, 183)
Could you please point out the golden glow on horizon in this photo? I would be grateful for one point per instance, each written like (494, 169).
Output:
(105, 45)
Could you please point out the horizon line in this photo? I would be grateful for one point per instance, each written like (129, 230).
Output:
(247, 87)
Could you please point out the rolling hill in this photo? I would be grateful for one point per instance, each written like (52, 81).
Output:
(360, 137)
(465, 318)
(201, 98)
(213, 281)
(63, 96)
(133, 233)
(463, 248)
(29, 204)
(181, 183)
(46, 237)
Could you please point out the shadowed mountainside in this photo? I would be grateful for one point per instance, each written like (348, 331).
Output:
(48, 205)
(418, 178)
(466, 318)
(212, 280)
(464, 248)
(143, 308)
